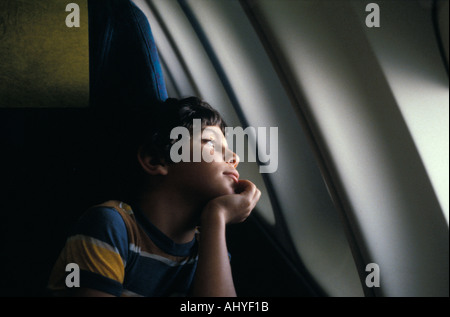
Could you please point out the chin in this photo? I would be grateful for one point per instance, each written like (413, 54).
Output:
(230, 190)
(225, 190)
(220, 188)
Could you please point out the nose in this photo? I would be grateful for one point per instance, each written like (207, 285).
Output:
(232, 158)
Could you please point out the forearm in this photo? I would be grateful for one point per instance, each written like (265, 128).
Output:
(213, 276)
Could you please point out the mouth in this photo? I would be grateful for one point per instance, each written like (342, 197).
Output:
(234, 175)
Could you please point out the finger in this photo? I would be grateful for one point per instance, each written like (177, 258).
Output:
(246, 187)
(256, 197)
(257, 193)
(242, 186)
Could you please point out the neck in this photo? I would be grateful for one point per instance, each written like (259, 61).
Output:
(172, 213)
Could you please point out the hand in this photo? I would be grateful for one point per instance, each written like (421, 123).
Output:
(233, 208)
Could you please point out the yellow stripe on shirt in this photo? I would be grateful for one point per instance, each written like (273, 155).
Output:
(95, 256)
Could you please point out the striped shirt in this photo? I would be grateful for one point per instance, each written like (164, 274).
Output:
(120, 252)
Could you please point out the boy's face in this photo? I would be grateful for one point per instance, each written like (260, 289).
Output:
(215, 174)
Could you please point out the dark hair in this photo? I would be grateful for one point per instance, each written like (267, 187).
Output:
(148, 129)
(155, 139)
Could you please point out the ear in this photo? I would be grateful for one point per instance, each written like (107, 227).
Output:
(149, 166)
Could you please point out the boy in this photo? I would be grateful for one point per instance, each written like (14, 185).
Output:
(150, 248)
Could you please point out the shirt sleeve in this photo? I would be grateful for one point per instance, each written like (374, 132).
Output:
(98, 245)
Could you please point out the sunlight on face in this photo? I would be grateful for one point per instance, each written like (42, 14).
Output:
(212, 145)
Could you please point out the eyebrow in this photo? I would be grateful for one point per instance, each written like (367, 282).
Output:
(209, 130)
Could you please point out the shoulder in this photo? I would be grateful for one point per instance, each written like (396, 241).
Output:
(101, 215)
(107, 221)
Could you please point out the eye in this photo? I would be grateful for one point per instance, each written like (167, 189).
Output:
(211, 143)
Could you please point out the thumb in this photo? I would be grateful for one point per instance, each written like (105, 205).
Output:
(245, 187)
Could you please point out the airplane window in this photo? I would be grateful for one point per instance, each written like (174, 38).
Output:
(45, 64)
(418, 78)
(377, 99)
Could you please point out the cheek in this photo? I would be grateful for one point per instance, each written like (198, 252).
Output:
(204, 179)
(211, 176)
(211, 155)
(218, 180)
(210, 170)
(201, 173)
